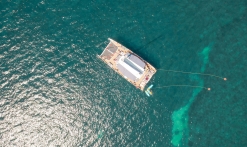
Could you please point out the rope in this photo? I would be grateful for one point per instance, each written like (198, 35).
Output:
(183, 86)
(194, 73)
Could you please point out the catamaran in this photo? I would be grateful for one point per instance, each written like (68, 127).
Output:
(127, 64)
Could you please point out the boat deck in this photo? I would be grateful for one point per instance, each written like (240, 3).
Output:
(112, 55)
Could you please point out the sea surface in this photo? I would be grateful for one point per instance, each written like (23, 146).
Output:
(55, 92)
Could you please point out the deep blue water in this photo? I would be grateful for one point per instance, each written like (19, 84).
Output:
(55, 92)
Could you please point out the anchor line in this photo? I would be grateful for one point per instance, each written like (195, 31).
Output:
(194, 73)
(183, 86)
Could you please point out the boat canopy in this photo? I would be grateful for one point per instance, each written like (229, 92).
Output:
(128, 69)
(137, 61)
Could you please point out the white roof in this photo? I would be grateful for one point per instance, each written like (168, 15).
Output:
(129, 68)
(136, 65)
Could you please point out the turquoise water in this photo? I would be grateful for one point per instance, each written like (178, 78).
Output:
(55, 92)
